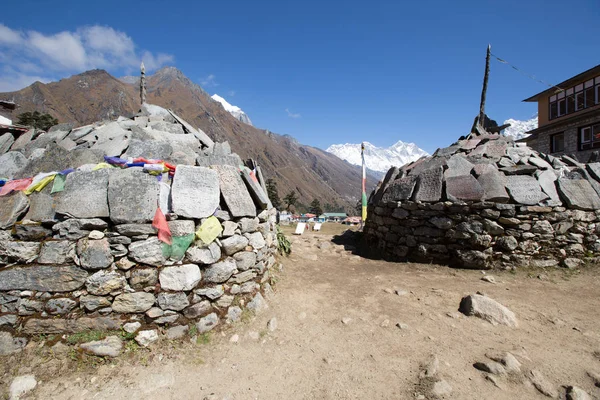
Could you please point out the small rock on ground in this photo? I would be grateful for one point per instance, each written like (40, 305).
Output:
(489, 279)
(146, 338)
(111, 346)
(430, 368)
(346, 320)
(575, 393)
(132, 327)
(441, 388)
(402, 326)
(235, 338)
(21, 385)
(272, 324)
(491, 367)
(177, 332)
(542, 384)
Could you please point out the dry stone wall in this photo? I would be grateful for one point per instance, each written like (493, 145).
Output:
(88, 257)
(487, 202)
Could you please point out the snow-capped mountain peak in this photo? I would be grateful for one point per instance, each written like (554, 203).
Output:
(378, 158)
(518, 128)
(233, 110)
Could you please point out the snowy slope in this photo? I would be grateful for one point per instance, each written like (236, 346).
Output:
(378, 158)
(233, 110)
(518, 128)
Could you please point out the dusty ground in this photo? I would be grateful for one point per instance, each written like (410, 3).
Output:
(314, 355)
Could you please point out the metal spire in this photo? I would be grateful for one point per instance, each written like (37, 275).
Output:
(143, 83)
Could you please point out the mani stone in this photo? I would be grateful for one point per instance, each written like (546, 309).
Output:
(195, 192)
(43, 278)
(578, 193)
(458, 166)
(400, 190)
(429, 185)
(464, 187)
(12, 207)
(547, 180)
(234, 191)
(180, 277)
(525, 189)
(132, 196)
(85, 195)
(41, 206)
(494, 186)
(136, 302)
(261, 199)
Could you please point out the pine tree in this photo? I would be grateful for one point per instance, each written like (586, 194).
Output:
(290, 199)
(273, 194)
(37, 120)
(315, 207)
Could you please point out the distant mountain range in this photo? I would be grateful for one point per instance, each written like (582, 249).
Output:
(379, 159)
(518, 128)
(233, 110)
(96, 95)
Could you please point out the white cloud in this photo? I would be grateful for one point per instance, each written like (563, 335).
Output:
(291, 114)
(31, 53)
(209, 81)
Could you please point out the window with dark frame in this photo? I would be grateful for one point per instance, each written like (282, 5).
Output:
(576, 98)
(557, 142)
(588, 137)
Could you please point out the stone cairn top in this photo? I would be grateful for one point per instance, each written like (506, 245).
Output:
(493, 168)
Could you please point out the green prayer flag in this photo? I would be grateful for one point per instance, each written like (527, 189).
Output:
(59, 183)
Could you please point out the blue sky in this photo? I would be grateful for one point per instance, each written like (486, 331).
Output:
(324, 72)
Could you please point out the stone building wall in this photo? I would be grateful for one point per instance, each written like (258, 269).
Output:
(481, 234)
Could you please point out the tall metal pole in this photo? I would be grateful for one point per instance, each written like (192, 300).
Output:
(364, 185)
(481, 119)
(143, 83)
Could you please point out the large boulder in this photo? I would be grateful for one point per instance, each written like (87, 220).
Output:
(487, 309)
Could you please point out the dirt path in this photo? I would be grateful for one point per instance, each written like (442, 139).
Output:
(314, 355)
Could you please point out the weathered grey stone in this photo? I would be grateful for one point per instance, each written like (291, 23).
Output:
(244, 260)
(594, 170)
(85, 195)
(463, 187)
(524, 189)
(60, 306)
(493, 184)
(256, 192)
(74, 229)
(195, 192)
(248, 225)
(29, 306)
(429, 185)
(10, 345)
(542, 384)
(148, 252)
(508, 243)
(12, 207)
(111, 346)
(234, 191)
(224, 301)
(6, 140)
(136, 302)
(576, 393)
(92, 303)
(182, 227)
(147, 337)
(400, 189)
(572, 263)
(94, 254)
(547, 181)
(243, 276)
(578, 193)
(11, 164)
(482, 169)
(229, 228)
(441, 389)
(20, 252)
(487, 309)
(41, 206)
(173, 301)
(135, 229)
(221, 271)
(212, 293)
(143, 277)
(233, 244)
(458, 166)
(256, 240)
(234, 314)
(203, 255)
(132, 196)
(491, 367)
(43, 278)
(8, 320)
(257, 304)
(197, 310)
(31, 231)
(149, 148)
(104, 282)
(180, 277)
(207, 323)
(472, 259)
(177, 332)
(35, 326)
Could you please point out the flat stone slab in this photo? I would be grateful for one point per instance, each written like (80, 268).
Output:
(494, 186)
(51, 326)
(155, 149)
(12, 207)
(43, 278)
(234, 191)
(519, 170)
(260, 197)
(400, 189)
(578, 193)
(594, 170)
(85, 195)
(109, 347)
(525, 189)
(464, 187)
(195, 191)
(206, 161)
(132, 196)
(6, 141)
(547, 180)
(458, 166)
(11, 164)
(390, 176)
(429, 185)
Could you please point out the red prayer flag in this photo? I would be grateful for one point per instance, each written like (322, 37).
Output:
(160, 222)
(19, 184)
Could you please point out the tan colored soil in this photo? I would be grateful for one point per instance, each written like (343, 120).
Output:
(313, 355)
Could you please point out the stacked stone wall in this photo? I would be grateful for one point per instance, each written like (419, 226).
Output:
(482, 234)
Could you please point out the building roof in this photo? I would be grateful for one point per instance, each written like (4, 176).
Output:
(590, 73)
(341, 215)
